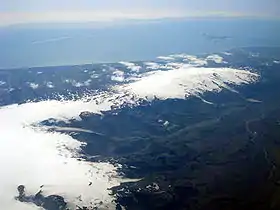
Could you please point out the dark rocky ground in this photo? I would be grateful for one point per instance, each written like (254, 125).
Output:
(223, 156)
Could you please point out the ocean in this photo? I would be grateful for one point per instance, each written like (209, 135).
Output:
(24, 46)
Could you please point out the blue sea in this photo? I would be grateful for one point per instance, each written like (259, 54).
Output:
(30, 45)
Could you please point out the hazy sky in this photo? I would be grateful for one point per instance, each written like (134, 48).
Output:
(27, 11)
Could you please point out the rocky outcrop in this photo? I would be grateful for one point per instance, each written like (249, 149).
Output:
(51, 202)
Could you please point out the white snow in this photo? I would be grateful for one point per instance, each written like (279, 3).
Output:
(216, 58)
(118, 76)
(180, 55)
(49, 85)
(33, 85)
(255, 55)
(174, 65)
(2, 83)
(131, 66)
(152, 65)
(186, 81)
(227, 53)
(94, 76)
(166, 123)
(33, 157)
(87, 82)
(166, 66)
(195, 61)
(78, 84)
(165, 58)
(205, 101)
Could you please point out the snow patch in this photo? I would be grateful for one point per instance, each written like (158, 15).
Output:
(255, 55)
(152, 65)
(94, 76)
(180, 56)
(216, 58)
(186, 81)
(174, 65)
(166, 123)
(131, 66)
(2, 83)
(49, 85)
(205, 101)
(195, 61)
(118, 76)
(33, 85)
(78, 84)
(165, 58)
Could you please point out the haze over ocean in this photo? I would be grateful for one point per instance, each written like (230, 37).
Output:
(69, 44)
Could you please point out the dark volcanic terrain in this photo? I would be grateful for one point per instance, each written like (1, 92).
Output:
(216, 151)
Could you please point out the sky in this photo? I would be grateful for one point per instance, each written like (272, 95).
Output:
(30, 11)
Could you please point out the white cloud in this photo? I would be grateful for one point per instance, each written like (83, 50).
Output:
(8, 18)
(30, 11)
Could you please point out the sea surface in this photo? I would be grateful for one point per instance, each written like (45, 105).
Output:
(71, 44)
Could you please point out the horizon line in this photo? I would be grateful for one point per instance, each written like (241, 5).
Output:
(89, 18)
